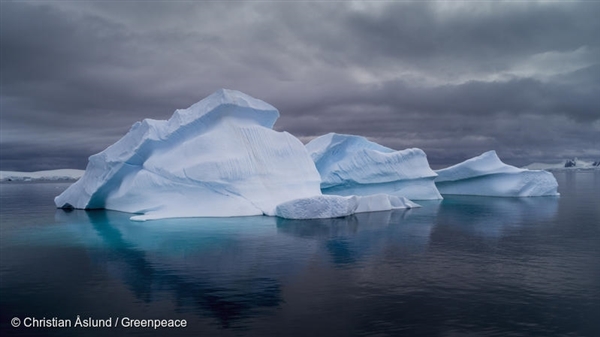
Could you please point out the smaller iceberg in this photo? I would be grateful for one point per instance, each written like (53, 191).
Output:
(353, 165)
(334, 206)
(487, 175)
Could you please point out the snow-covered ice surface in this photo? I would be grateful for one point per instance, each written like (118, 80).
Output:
(49, 175)
(353, 165)
(333, 206)
(487, 175)
(219, 157)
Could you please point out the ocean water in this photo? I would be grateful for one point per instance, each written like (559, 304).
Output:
(464, 266)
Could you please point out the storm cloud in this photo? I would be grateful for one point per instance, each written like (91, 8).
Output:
(453, 78)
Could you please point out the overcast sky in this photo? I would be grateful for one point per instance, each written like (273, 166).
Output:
(452, 78)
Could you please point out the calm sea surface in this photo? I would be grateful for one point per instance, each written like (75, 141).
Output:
(464, 266)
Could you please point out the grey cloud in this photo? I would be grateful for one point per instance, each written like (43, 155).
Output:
(76, 75)
(482, 38)
(42, 157)
(527, 119)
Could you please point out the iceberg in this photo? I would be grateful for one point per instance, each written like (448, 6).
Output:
(219, 157)
(334, 206)
(353, 165)
(487, 175)
(317, 207)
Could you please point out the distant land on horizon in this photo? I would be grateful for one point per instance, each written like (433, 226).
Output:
(48, 175)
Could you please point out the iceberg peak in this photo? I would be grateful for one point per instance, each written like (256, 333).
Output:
(225, 102)
(484, 164)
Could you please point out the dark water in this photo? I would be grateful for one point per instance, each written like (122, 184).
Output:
(465, 266)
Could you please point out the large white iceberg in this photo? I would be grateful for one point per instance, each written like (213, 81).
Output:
(487, 175)
(353, 165)
(219, 157)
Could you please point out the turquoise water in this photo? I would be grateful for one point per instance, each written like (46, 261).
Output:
(465, 266)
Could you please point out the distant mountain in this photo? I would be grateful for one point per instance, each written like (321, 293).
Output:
(571, 163)
(50, 175)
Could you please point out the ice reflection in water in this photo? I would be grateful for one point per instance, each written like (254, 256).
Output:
(461, 266)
